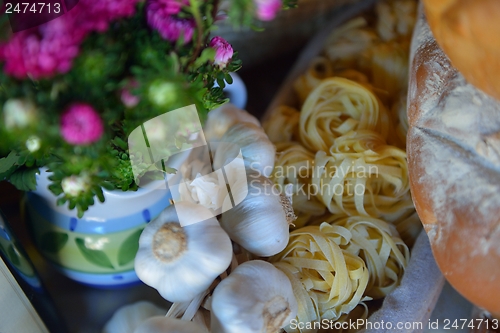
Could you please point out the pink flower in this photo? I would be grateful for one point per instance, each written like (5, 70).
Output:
(50, 48)
(161, 17)
(128, 99)
(42, 52)
(223, 51)
(97, 15)
(166, 7)
(81, 125)
(126, 96)
(267, 9)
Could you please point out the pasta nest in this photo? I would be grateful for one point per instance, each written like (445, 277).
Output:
(334, 267)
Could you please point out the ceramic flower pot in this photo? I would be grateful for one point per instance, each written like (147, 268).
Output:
(98, 249)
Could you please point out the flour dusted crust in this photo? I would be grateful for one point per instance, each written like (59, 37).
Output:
(453, 148)
(467, 31)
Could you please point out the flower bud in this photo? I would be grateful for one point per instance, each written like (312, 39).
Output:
(33, 143)
(74, 185)
(223, 51)
(18, 113)
(162, 93)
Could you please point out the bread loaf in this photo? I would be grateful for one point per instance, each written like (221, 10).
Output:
(453, 150)
(468, 31)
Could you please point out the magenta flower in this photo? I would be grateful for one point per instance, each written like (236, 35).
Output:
(223, 51)
(267, 9)
(50, 48)
(99, 14)
(166, 7)
(42, 52)
(81, 125)
(161, 17)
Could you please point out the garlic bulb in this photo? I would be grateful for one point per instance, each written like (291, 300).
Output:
(255, 298)
(169, 325)
(220, 119)
(128, 317)
(256, 148)
(181, 262)
(260, 222)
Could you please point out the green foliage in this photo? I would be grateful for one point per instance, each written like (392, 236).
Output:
(289, 4)
(129, 56)
(24, 178)
(241, 13)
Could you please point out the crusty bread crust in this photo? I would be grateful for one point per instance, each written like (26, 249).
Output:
(468, 31)
(453, 148)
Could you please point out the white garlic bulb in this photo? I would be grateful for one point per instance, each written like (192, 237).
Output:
(259, 223)
(181, 262)
(256, 148)
(225, 116)
(169, 325)
(127, 318)
(255, 298)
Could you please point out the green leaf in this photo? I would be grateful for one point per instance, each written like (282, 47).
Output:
(98, 193)
(56, 189)
(229, 78)
(256, 28)
(96, 257)
(53, 241)
(24, 179)
(221, 83)
(13, 256)
(129, 248)
(8, 162)
(206, 55)
(108, 185)
(61, 201)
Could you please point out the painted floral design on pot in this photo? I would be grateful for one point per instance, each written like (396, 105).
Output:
(98, 249)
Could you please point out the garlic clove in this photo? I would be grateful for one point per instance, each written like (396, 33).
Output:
(169, 325)
(181, 262)
(220, 119)
(255, 298)
(128, 317)
(260, 223)
(256, 148)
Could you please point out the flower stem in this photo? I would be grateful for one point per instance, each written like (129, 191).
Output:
(195, 10)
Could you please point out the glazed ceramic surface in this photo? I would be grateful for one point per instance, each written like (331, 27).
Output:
(98, 249)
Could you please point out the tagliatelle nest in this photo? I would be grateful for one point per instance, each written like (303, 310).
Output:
(327, 280)
(363, 176)
(334, 267)
(380, 247)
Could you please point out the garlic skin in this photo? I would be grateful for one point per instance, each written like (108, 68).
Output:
(225, 116)
(260, 222)
(169, 325)
(182, 262)
(127, 318)
(255, 298)
(208, 190)
(256, 148)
